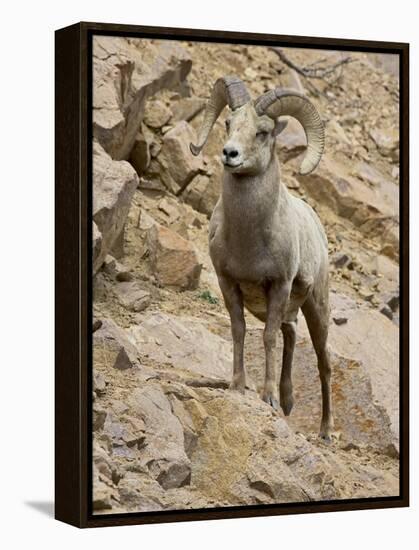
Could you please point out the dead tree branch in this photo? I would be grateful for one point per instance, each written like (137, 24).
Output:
(316, 70)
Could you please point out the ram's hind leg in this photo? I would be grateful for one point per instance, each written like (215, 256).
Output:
(316, 313)
(289, 333)
(277, 296)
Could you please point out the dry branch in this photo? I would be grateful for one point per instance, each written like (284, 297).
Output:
(314, 70)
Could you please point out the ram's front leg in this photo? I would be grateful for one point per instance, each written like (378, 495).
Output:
(233, 299)
(277, 296)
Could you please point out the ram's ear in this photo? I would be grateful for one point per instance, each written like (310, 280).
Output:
(280, 125)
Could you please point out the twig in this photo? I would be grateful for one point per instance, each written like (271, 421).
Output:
(313, 71)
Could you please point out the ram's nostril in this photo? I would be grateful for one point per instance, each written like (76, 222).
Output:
(230, 152)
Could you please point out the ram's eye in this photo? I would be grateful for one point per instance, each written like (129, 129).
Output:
(262, 134)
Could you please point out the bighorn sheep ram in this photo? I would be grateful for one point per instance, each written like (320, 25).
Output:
(268, 247)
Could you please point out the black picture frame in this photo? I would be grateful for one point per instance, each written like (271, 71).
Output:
(73, 294)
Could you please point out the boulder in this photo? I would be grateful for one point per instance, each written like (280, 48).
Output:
(368, 173)
(131, 296)
(170, 208)
(96, 246)
(156, 114)
(371, 379)
(291, 79)
(387, 141)
(126, 72)
(115, 269)
(186, 108)
(114, 184)
(177, 164)
(335, 131)
(292, 141)
(105, 495)
(140, 154)
(172, 340)
(108, 341)
(204, 190)
(173, 259)
(371, 209)
(164, 454)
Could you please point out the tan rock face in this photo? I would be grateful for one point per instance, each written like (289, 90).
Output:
(108, 342)
(387, 142)
(187, 108)
(168, 433)
(96, 245)
(132, 296)
(156, 114)
(114, 184)
(140, 156)
(173, 259)
(125, 75)
(178, 165)
(212, 359)
(370, 209)
(204, 190)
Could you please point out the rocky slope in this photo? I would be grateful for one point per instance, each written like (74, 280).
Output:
(168, 434)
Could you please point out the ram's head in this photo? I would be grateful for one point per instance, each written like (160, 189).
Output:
(253, 126)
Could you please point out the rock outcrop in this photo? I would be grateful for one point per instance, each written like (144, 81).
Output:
(114, 184)
(168, 432)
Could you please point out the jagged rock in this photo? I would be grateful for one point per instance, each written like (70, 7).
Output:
(187, 108)
(335, 131)
(140, 156)
(156, 114)
(99, 383)
(114, 184)
(371, 341)
(173, 259)
(170, 208)
(151, 185)
(159, 335)
(387, 141)
(291, 182)
(292, 141)
(104, 494)
(387, 62)
(340, 320)
(340, 259)
(108, 342)
(96, 245)
(164, 455)
(97, 323)
(169, 434)
(370, 209)
(131, 296)
(290, 79)
(126, 72)
(204, 190)
(116, 270)
(368, 173)
(393, 301)
(99, 417)
(387, 311)
(177, 164)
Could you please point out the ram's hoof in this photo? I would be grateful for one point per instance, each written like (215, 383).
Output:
(271, 400)
(237, 385)
(286, 405)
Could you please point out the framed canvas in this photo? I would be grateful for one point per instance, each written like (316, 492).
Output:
(232, 316)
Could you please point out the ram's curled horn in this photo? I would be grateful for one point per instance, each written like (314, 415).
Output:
(280, 102)
(228, 90)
